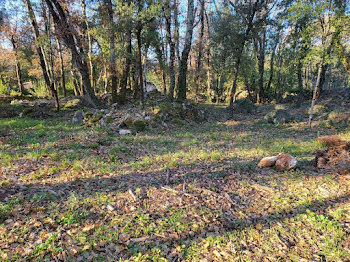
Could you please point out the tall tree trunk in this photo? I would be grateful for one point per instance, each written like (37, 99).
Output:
(261, 64)
(172, 51)
(18, 66)
(73, 41)
(126, 71)
(62, 78)
(200, 46)
(112, 60)
(176, 30)
(48, 58)
(139, 61)
(240, 52)
(88, 40)
(272, 63)
(40, 52)
(209, 80)
(181, 82)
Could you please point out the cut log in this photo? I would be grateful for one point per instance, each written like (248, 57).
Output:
(267, 161)
(285, 162)
(331, 141)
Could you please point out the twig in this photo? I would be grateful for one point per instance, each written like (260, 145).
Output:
(132, 195)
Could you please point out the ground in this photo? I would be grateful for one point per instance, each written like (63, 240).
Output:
(191, 192)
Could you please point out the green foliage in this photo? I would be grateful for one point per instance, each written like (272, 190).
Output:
(40, 89)
(3, 88)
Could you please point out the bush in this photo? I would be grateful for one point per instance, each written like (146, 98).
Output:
(3, 89)
(40, 90)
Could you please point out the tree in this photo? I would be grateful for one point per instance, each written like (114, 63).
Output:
(39, 48)
(73, 40)
(181, 82)
(112, 59)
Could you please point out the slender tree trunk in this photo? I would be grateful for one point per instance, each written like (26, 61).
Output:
(62, 78)
(106, 79)
(200, 46)
(126, 71)
(314, 97)
(209, 80)
(272, 63)
(172, 52)
(176, 30)
(181, 82)
(48, 59)
(73, 41)
(240, 52)
(261, 64)
(40, 52)
(300, 75)
(88, 40)
(139, 62)
(112, 60)
(18, 66)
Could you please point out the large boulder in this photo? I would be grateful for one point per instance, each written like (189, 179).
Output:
(78, 117)
(280, 116)
(244, 106)
(173, 112)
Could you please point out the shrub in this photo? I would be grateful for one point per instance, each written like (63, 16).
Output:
(40, 90)
(3, 89)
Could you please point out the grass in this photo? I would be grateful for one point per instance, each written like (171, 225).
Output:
(196, 193)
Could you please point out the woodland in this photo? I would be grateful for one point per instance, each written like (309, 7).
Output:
(173, 130)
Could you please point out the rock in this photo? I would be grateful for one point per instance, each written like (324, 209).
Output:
(148, 118)
(78, 117)
(244, 106)
(124, 132)
(110, 207)
(330, 141)
(278, 117)
(267, 161)
(285, 162)
(102, 122)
